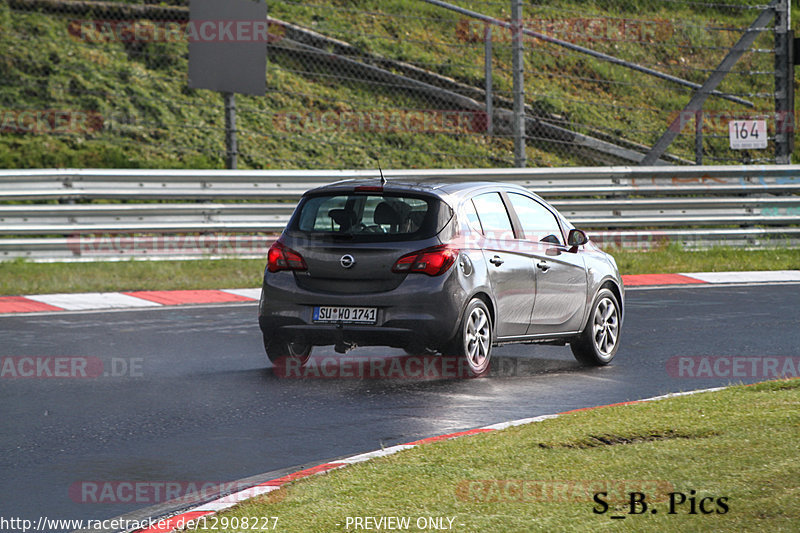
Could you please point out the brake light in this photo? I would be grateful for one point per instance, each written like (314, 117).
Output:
(369, 188)
(431, 261)
(281, 257)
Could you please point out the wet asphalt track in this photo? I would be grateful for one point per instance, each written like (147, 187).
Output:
(202, 405)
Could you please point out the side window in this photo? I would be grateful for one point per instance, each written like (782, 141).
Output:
(493, 216)
(538, 223)
(472, 216)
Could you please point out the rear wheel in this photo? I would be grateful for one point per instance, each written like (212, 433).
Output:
(597, 344)
(280, 350)
(474, 339)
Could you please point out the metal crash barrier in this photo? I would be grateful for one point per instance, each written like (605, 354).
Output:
(87, 215)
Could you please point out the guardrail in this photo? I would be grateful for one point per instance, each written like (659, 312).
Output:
(68, 214)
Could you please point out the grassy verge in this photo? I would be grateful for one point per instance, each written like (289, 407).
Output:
(21, 277)
(720, 259)
(737, 447)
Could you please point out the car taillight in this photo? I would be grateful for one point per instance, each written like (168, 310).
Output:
(281, 257)
(431, 261)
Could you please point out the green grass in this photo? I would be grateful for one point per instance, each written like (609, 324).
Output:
(152, 120)
(719, 259)
(740, 444)
(21, 277)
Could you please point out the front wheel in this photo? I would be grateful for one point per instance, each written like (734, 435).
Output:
(474, 339)
(598, 342)
(281, 350)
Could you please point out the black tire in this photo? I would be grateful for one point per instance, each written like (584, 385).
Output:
(598, 342)
(473, 342)
(279, 350)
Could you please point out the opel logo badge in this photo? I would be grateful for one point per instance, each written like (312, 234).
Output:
(347, 261)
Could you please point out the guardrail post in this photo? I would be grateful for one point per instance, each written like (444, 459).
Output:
(518, 68)
(230, 130)
(784, 85)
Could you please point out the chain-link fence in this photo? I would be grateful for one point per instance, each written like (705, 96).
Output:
(402, 84)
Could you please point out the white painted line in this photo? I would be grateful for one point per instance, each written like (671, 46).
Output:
(255, 294)
(747, 277)
(378, 453)
(521, 422)
(677, 394)
(92, 300)
(216, 506)
(242, 495)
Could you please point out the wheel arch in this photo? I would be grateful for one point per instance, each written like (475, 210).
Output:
(488, 302)
(610, 284)
(614, 288)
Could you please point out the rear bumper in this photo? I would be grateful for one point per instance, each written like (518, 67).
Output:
(422, 312)
(360, 335)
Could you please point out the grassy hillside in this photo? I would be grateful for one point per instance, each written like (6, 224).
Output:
(145, 116)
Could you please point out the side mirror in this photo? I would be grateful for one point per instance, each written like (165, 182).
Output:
(576, 238)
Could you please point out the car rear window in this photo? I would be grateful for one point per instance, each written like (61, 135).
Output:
(370, 216)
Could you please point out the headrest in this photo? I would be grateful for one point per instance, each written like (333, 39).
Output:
(386, 214)
(344, 217)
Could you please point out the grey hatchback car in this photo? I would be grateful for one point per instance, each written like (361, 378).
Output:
(437, 267)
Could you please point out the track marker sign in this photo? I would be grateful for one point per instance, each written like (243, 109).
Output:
(228, 46)
(747, 134)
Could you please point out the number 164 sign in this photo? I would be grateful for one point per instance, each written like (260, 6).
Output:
(747, 134)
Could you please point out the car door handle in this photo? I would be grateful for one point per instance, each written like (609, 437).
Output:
(543, 266)
(496, 261)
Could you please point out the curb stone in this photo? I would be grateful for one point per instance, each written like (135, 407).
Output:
(39, 303)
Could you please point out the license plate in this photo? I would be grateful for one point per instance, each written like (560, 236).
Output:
(355, 315)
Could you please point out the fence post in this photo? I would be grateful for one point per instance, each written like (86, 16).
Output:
(518, 68)
(487, 65)
(709, 86)
(230, 131)
(784, 85)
